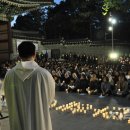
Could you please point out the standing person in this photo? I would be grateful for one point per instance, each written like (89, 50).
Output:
(29, 90)
(3, 71)
(0, 98)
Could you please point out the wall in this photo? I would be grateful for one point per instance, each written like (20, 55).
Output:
(15, 43)
(78, 49)
(5, 41)
(89, 50)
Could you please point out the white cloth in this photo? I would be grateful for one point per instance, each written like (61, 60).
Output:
(0, 95)
(29, 90)
(1, 87)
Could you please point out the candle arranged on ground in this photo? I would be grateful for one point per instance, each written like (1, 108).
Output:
(91, 107)
(114, 108)
(129, 121)
(66, 90)
(106, 113)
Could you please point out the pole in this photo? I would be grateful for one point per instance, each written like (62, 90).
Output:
(90, 32)
(112, 39)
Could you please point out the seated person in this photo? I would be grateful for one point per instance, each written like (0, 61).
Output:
(57, 83)
(121, 88)
(128, 79)
(93, 85)
(105, 86)
(74, 84)
(84, 83)
(66, 81)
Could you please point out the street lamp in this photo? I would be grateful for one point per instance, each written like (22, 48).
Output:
(113, 55)
(111, 28)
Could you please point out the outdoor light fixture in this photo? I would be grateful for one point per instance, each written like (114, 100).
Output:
(112, 20)
(113, 55)
(111, 28)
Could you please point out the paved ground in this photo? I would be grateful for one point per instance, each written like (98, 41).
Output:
(67, 121)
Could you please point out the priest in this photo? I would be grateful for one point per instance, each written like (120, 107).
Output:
(29, 90)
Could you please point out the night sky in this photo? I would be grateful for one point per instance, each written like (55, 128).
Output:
(57, 1)
(12, 23)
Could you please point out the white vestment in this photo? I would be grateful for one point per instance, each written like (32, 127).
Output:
(29, 90)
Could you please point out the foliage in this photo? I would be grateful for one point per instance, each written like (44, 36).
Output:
(109, 5)
(32, 21)
(69, 19)
(73, 19)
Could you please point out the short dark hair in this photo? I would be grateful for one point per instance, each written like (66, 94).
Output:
(26, 49)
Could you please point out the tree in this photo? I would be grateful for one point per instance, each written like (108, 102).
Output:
(32, 21)
(123, 5)
(74, 19)
(121, 10)
(69, 19)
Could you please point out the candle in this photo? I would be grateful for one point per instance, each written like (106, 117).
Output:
(84, 111)
(106, 113)
(102, 110)
(119, 90)
(94, 115)
(87, 108)
(71, 109)
(73, 112)
(113, 117)
(78, 90)
(107, 107)
(119, 108)
(114, 108)
(62, 110)
(66, 90)
(95, 110)
(117, 113)
(124, 109)
(120, 116)
(91, 107)
(57, 108)
(103, 114)
(107, 117)
(97, 113)
(110, 112)
(80, 110)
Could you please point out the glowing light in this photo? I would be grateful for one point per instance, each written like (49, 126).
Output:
(110, 28)
(113, 55)
(112, 20)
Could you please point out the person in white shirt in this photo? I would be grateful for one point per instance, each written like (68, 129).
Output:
(29, 90)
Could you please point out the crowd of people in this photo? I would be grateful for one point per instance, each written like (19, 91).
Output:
(84, 75)
(102, 79)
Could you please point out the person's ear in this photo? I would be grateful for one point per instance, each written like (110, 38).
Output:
(34, 56)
